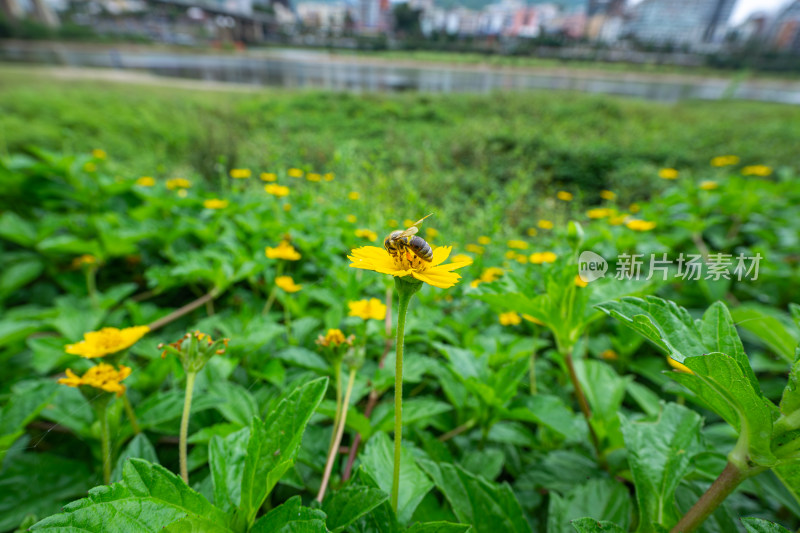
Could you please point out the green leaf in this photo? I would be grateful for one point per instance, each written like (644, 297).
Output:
(590, 525)
(771, 327)
(26, 402)
(149, 498)
(663, 322)
(226, 459)
(378, 460)
(16, 229)
(487, 506)
(789, 476)
(720, 382)
(719, 335)
(600, 499)
(605, 391)
(274, 443)
(347, 505)
(38, 484)
(759, 525)
(550, 411)
(19, 274)
(236, 403)
(291, 517)
(438, 527)
(139, 447)
(790, 400)
(660, 454)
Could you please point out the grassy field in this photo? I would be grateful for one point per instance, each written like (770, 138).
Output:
(480, 158)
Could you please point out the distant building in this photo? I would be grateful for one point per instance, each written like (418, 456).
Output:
(604, 19)
(692, 23)
(373, 16)
(785, 31)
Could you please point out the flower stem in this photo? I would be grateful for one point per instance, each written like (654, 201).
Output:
(326, 476)
(532, 371)
(126, 402)
(337, 376)
(105, 441)
(723, 486)
(404, 297)
(584, 405)
(187, 406)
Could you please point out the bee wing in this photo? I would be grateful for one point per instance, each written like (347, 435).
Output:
(418, 222)
(410, 231)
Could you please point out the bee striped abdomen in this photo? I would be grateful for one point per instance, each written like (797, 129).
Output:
(421, 248)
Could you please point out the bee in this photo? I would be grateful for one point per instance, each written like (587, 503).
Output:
(398, 241)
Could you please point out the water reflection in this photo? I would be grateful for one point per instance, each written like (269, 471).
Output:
(312, 69)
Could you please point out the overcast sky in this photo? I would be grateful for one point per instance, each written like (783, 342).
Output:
(745, 7)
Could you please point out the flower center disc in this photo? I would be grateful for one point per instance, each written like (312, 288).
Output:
(407, 260)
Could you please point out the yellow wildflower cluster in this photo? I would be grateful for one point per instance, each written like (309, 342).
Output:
(538, 258)
(599, 212)
(545, 224)
(145, 181)
(709, 185)
(215, 203)
(668, 174)
(102, 376)
(313, 176)
(431, 233)
(97, 153)
(240, 173)
(276, 190)
(284, 250)
(532, 232)
(353, 195)
(367, 309)
(367, 234)
(608, 195)
(178, 183)
(268, 176)
(487, 276)
(106, 341)
(640, 225)
(329, 176)
(724, 160)
(295, 173)
(564, 196)
(517, 244)
(474, 249)
(509, 319)
(461, 258)
(579, 282)
(484, 240)
(84, 260)
(757, 170)
(287, 284)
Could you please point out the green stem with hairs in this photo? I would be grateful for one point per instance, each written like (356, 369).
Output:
(405, 290)
(126, 402)
(338, 433)
(105, 441)
(187, 407)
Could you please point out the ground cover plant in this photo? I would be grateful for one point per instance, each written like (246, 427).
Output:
(238, 351)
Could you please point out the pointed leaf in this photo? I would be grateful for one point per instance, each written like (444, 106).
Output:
(226, 458)
(600, 499)
(347, 505)
(291, 517)
(590, 525)
(139, 447)
(719, 334)
(759, 525)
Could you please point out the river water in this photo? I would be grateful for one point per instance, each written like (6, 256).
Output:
(323, 70)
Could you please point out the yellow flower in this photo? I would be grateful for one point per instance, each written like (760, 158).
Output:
(329, 176)
(431, 233)
(89, 166)
(366, 309)
(183, 193)
(640, 225)
(268, 176)
(106, 341)
(145, 181)
(619, 219)
(200, 336)
(367, 234)
(543, 257)
(668, 174)
(313, 176)
(240, 173)
(284, 250)
(724, 160)
(408, 264)
(511, 254)
(607, 195)
(334, 337)
(408, 223)
(579, 282)
(85, 259)
(97, 153)
(355, 196)
(102, 376)
(521, 258)
(351, 219)
(680, 367)
(484, 240)
(599, 212)
(517, 244)
(532, 232)
(634, 208)
(533, 319)
(295, 173)
(461, 258)
(474, 249)
(276, 190)
(510, 319)
(545, 224)
(215, 203)
(564, 196)
(757, 170)
(708, 185)
(487, 276)
(287, 207)
(178, 183)
(287, 283)
(609, 355)
(392, 223)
